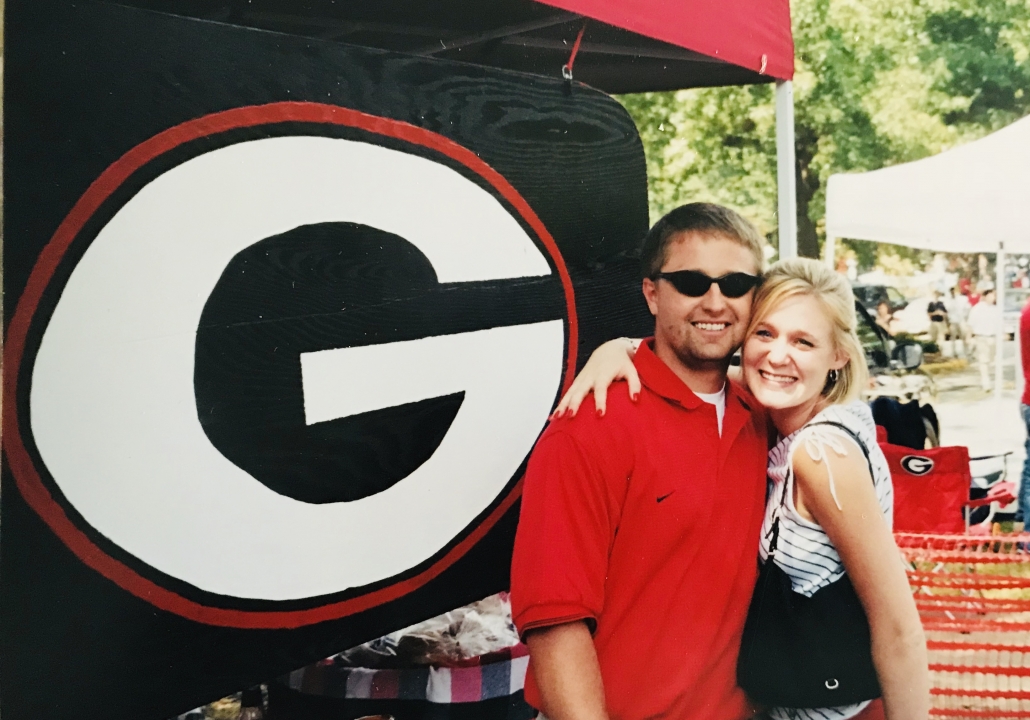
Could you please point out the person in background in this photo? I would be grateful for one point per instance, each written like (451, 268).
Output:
(984, 323)
(965, 286)
(977, 291)
(1021, 280)
(1023, 512)
(938, 320)
(958, 315)
(884, 316)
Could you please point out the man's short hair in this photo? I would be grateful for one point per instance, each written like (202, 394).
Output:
(697, 217)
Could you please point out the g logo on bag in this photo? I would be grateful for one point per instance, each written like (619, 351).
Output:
(300, 368)
(917, 464)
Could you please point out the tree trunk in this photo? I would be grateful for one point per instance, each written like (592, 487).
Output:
(807, 185)
(808, 240)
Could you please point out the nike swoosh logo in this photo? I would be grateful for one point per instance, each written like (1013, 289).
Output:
(662, 497)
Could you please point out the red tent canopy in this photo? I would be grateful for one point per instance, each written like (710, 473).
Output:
(753, 34)
(628, 45)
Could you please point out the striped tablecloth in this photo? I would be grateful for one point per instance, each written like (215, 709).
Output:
(498, 674)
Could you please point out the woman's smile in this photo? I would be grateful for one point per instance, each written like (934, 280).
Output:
(776, 378)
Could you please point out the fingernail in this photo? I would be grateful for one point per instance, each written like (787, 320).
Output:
(600, 412)
(634, 397)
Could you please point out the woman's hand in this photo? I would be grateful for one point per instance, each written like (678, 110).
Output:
(608, 363)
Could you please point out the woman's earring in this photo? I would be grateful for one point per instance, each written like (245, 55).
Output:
(831, 380)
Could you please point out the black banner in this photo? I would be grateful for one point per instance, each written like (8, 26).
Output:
(283, 321)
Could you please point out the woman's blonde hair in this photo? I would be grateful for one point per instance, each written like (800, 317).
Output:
(805, 277)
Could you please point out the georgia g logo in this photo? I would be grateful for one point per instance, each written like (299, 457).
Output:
(917, 464)
(298, 365)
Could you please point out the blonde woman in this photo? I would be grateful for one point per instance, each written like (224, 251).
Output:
(829, 504)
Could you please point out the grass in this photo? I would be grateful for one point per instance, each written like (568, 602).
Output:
(940, 365)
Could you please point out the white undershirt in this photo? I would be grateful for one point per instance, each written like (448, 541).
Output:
(719, 400)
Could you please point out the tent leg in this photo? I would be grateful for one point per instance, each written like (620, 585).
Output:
(785, 171)
(999, 299)
(830, 251)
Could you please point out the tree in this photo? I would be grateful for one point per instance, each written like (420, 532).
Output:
(876, 83)
(984, 47)
(712, 145)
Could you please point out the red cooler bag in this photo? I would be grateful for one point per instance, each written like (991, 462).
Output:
(931, 487)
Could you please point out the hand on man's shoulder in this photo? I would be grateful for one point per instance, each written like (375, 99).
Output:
(617, 404)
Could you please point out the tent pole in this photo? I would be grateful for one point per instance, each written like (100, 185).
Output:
(785, 170)
(830, 251)
(999, 299)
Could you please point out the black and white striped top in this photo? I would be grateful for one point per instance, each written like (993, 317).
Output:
(803, 550)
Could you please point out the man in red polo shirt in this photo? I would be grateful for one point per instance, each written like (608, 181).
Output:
(636, 551)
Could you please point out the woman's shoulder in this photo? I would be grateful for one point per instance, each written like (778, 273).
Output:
(836, 423)
(833, 458)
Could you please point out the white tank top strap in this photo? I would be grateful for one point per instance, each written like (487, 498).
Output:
(817, 437)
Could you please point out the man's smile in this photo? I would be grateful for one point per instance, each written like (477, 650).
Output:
(711, 326)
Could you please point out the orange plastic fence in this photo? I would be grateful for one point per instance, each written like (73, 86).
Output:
(973, 595)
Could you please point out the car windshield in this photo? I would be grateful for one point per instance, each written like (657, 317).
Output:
(861, 294)
(872, 341)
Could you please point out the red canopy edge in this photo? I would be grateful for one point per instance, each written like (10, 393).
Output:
(741, 32)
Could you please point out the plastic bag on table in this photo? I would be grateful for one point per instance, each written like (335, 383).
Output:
(460, 634)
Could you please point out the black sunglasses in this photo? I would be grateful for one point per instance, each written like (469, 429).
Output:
(695, 284)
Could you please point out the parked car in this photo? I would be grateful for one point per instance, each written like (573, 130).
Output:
(913, 319)
(870, 296)
(893, 366)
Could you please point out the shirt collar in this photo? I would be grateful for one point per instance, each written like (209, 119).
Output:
(661, 380)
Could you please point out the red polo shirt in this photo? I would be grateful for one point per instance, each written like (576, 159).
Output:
(646, 522)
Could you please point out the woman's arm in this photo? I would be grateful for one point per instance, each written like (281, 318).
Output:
(866, 546)
(610, 362)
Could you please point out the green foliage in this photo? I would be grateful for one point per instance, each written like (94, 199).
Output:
(865, 253)
(728, 162)
(983, 47)
(877, 82)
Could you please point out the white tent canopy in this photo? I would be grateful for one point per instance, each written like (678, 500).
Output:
(967, 199)
(973, 198)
